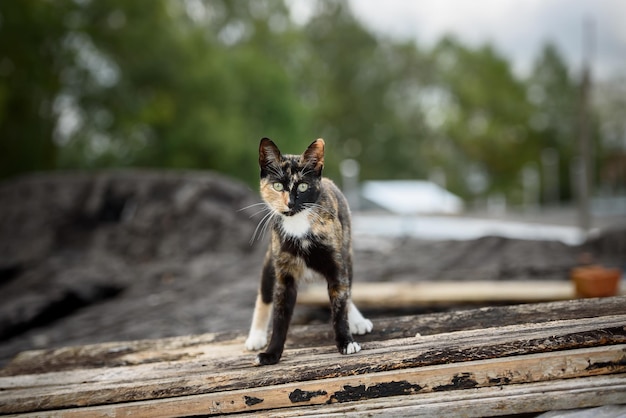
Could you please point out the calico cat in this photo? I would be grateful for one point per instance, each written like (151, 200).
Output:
(310, 238)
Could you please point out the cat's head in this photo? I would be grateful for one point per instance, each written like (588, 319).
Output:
(290, 183)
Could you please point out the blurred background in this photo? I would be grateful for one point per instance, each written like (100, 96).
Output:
(443, 120)
(489, 101)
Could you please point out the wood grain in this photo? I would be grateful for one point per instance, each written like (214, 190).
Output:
(212, 374)
(408, 294)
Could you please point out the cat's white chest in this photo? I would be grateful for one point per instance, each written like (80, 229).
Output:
(297, 225)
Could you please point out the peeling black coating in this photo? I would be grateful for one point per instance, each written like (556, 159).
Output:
(502, 380)
(611, 365)
(251, 400)
(381, 390)
(459, 381)
(305, 396)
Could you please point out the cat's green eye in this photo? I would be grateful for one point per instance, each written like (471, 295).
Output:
(302, 187)
(278, 187)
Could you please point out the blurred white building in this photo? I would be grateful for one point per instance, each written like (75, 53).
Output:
(408, 197)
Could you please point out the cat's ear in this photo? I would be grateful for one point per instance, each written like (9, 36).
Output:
(269, 155)
(314, 156)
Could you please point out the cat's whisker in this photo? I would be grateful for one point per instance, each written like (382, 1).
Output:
(276, 171)
(318, 207)
(314, 205)
(311, 207)
(266, 209)
(305, 171)
(251, 206)
(255, 234)
(315, 217)
(267, 224)
(261, 225)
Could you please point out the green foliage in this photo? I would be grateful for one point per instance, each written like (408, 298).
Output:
(30, 69)
(483, 118)
(555, 99)
(195, 84)
(360, 91)
(144, 86)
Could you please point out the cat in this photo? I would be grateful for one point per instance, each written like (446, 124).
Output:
(310, 238)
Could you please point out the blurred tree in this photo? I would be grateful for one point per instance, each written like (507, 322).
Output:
(31, 65)
(610, 101)
(178, 84)
(360, 90)
(482, 112)
(554, 96)
(195, 84)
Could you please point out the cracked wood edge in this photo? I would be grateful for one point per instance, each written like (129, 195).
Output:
(526, 398)
(450, 378)
(169, 379)
(127, 353)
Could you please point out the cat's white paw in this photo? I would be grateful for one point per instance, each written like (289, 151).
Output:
(257, 339)
(362, 326)
(352, 348)
(359, 325)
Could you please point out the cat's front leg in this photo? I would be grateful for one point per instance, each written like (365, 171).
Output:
(339, 299)
(284, 303)
(257, 337)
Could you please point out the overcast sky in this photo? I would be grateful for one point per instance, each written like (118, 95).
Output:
(517, 28)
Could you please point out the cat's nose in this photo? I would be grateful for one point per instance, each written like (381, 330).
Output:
(292, 202)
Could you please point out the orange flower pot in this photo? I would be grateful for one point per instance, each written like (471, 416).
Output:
(595, 281)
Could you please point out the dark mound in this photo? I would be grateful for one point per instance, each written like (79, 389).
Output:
(122, 255)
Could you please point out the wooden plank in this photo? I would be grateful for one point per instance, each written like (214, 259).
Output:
(233, 372)
(409, 294)
(507, 400)
(124, 353)
(445, 347)
(128, 353)
(442, 378)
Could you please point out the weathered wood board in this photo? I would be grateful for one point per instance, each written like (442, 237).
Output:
(478, 402)
(409, 294)
(506, 357)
